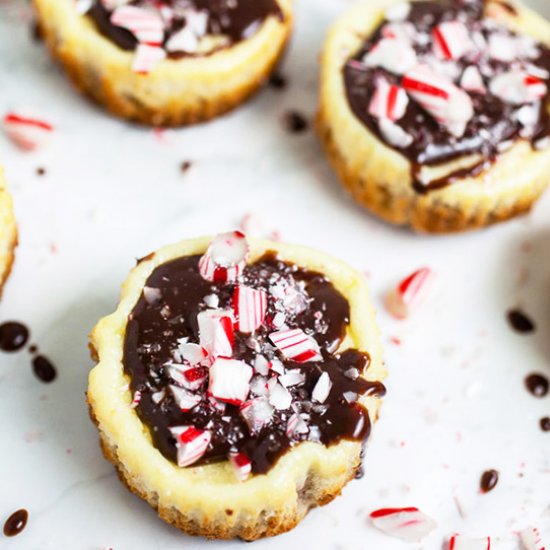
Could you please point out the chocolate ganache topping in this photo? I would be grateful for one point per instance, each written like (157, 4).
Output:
(178, 26)
(242, 362)
(441, 82)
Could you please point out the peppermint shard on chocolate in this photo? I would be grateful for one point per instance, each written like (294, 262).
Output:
(237, 383)
(437, 114)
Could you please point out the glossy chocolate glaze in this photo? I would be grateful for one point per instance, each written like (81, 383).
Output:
(237, 19)
(491, 126)
(152, 333)
(16, 523)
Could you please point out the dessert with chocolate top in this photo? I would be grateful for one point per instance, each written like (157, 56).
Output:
(428, 108)
(171, 62)
(247, 373)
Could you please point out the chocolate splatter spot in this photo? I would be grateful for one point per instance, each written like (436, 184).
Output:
(16, 523)
(277, 81)
(295, 123)
(185, 166)
(488, 481)
(520, 322)
(537, 384)
(13, 336)
(545, 424)
(44, 369)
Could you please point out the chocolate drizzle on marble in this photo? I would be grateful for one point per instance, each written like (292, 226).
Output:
(233, 20)
(496, 124)
(165, 316)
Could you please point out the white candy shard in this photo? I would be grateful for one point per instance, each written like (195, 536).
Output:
(193, 354)
(322, 388)
(296, 345)
(191, 443)
(152, 295)
(225, 258)
(184, 399)
(279, 397)
(230, 380)
(460, 542)
(472, 81)
(398, 12)
(394, 134)
(257, 413)
(187, 38)
(408, 524)
(396, 56)
(292, 377)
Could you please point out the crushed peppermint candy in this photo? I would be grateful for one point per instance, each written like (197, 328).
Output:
(208, 352)
(532, 539)
(461, 542)
(27, 131)
(410, 293)
(408, 524)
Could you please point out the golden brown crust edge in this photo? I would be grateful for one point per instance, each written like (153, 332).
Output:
(316, 492)
(380, 179)
(9, 233)
(308, 476)
(102, 89)
(422, 213)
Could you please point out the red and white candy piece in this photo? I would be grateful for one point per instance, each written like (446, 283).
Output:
(296, 425)
(216, 332)
(409, 293)
(396, 56)
(322, 388)
(394, 134)
(147, 58)
(145, 24)
(296, 345)
(225, 258)
(503, 48)
(398, 12)
(257, 413)
(191, 443)
(242, 465)
(190, 378)
(184, 399)
(472, 81)
(187, 39)
(402, 31)
(460, 542)
(388, 101)
(230, 380)
(250, 306)
(193, 354)
(136, 399)
(518, 87)
(445, 102)
(408, 524)
(451, 40)
(26, 131)
(532, 539)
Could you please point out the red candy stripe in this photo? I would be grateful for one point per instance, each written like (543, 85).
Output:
(409, 293)
(146, 25)
(225, 258)
(241, 464)
(250, 307)
(451, 40)
(388, 101)
(296, 345)
(27, 132)
(191, 444)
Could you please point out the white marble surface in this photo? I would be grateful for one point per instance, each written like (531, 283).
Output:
(113, 192)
